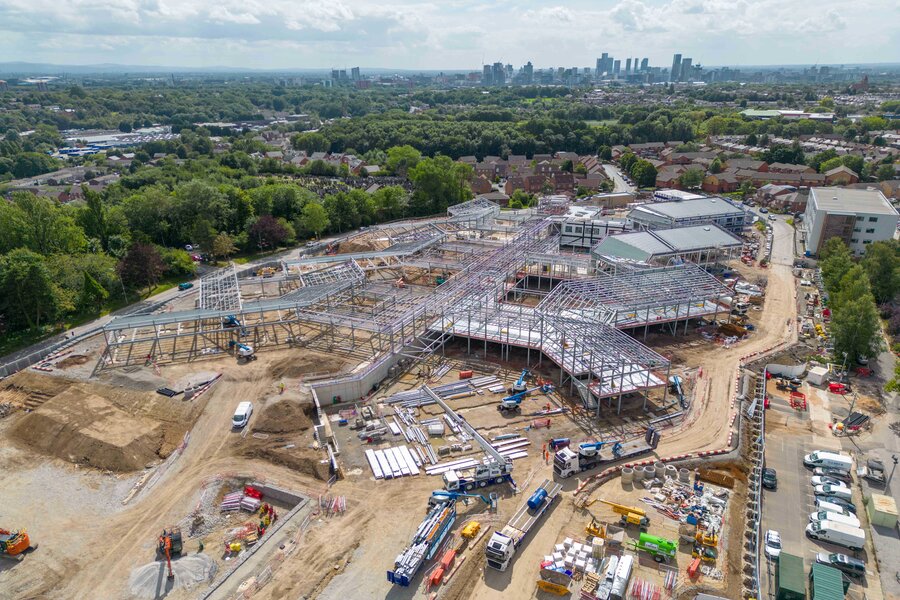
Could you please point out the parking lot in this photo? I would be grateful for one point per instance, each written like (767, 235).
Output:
(787, 509)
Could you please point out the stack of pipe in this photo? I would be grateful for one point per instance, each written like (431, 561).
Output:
(231, 502)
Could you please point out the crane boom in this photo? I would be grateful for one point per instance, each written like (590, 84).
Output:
(485, 445)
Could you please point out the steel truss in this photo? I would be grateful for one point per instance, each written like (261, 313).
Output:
(220, 290)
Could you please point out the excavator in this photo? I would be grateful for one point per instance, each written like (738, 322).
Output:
(169, 545)
(14, 544)
(631, 515)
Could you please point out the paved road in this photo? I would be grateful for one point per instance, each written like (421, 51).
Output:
(618, 180)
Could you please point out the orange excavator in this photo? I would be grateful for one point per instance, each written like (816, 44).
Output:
(169, 545)
(14, 544)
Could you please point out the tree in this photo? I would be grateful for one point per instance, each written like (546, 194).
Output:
(605, 153)
(751, 140)
(439, 182)
(626, 160)
(643, 173)
(29, 164)
(223, 246)
(855, 328)
(93, 217)
(715, 166)
(390, 202)
(836, 261)
(28, 295)
(93, 295)
(268, 233)
(885, 172)
(315, 218)
(141, 267)
(125, 127)
(692, 178)
(311, 142)
(882, 265)
(400, 159)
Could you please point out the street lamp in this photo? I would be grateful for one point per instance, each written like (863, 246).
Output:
(888, 482)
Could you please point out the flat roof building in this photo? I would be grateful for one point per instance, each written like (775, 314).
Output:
(666, 215)
(859, 217)
(701, 244)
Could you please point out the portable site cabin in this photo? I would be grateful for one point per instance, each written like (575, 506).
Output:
(827, 583)
(790, 583)
(817, 375)
(882, 510)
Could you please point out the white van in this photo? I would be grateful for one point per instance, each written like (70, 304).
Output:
(823, 515)
(242, 415)
(824, 505)
(837, 533)
(830, 460)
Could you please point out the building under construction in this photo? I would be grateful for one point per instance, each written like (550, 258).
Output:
(496, 280)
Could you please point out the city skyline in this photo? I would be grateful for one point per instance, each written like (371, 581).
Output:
(458, 35)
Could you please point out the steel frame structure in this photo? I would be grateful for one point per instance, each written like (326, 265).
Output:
(220, 290)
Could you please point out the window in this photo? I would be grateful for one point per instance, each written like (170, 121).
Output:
(870, 230)
(854, 240)
(856, 230)
(867, 241)
(873, 219)
(568, 229)
(578, 230)
(859, 218)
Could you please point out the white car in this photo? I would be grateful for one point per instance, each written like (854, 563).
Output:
(773, 544)
(825, 480)
(843, 493)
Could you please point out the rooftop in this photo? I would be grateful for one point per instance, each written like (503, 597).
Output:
(642, 245)
(850, 200)
(698, 207)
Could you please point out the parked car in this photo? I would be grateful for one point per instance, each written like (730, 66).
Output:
(825, 480)
(833, 491)
(843, 503)
(770, 479)
(773, 218)
(185, 286)
(833, 473)
(773, 544)
(830, 507)
(849, 565)
(764, 210)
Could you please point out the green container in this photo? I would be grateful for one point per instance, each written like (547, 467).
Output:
(790, 583)
(827, 583)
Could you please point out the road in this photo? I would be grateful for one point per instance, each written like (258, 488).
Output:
(620, 185)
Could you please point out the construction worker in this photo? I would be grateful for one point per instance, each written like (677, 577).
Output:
(281, 387)
(200, 547)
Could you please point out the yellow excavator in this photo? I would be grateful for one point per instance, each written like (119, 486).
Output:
(631, 515)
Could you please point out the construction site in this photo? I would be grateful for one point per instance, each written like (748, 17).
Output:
(454, 407)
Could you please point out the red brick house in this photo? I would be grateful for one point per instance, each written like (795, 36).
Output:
(841, 175)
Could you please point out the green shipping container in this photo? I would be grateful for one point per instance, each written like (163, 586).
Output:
(827, 583)
(790, 580)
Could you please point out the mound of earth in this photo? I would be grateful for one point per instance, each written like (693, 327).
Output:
(284, 416)
(88, 429)
(305, 362)
(299, 459)
(70, 361)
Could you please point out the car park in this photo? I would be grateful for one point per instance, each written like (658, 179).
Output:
(833, 491)
(770, 479)
(849, 565)
(772, 544)
(824, 480)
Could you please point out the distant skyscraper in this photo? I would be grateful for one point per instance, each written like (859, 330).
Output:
(617, 64)
(627, 66)
(676, 68)
(529, 72)
(635, 63)
(487, 77)
(354, 74)
(644, 64)
(498, 74)
(686, 70)
(599, 65)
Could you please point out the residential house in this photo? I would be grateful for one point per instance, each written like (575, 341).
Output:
(563, 183)
(534, 184)
(514, 183)
(748, 164)
(720, 183)
(667, 177)
(771, 192)
(777, 167)
(480, 185)
(841, 175)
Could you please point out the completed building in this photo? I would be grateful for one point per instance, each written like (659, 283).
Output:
(676, 68)
(583, 227)
(701, 244)
(699, 211)
(859, 217)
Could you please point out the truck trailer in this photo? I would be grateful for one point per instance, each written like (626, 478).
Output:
(569, 461)
(425, 543)
(502, 546)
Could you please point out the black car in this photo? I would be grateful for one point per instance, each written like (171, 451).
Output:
(770, 479)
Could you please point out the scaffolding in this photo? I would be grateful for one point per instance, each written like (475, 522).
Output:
(220, 290)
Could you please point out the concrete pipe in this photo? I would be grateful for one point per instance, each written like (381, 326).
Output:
(660, 469)
(684, 476)
(627, 475)
(649, 472)
(671, 471)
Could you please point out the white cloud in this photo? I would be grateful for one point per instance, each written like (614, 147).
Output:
(447, 34)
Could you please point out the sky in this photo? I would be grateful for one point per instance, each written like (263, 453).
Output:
(446, 34)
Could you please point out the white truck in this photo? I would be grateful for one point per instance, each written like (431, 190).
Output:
(830, 460)
(568, 462)
(502, 546)
(837, 533)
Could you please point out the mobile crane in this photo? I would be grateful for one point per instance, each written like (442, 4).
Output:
(439, 496)
(496, 468)
(169, 545)
(631, 515)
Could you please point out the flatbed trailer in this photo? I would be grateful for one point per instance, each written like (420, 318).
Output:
(502, 546)
(425, 543)
(569, 461)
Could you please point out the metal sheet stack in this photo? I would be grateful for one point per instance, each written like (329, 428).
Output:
(390, 463)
